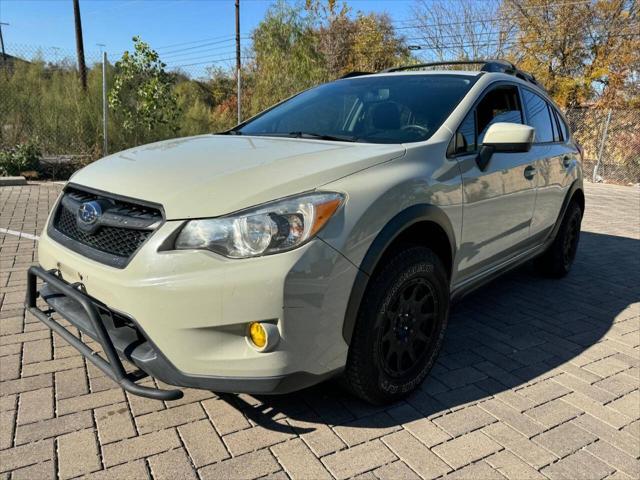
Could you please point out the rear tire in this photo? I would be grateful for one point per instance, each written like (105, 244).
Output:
(400, 327)
(557, 260)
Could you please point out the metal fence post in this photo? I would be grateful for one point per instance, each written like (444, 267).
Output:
(105, 146)
(598, 166)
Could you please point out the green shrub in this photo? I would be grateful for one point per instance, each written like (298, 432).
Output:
(24, 157)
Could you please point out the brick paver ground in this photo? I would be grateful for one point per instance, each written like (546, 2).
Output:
(538, 378)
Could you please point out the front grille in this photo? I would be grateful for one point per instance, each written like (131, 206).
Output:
(123, 227)
(117, 241)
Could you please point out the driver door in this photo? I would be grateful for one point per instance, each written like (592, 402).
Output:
(499, 200)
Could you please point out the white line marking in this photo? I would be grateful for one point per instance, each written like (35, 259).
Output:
(19, 234)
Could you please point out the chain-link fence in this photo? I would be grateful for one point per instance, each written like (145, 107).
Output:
(41, 103)
(610, 139)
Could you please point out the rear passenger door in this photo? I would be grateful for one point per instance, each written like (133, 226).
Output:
(556, 161)
(499, 200)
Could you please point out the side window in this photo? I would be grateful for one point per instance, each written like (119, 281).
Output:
(466, 136)
(501, 104)
(554, 124)
(538, 116)
(563, 128)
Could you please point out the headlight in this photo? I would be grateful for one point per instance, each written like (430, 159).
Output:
(270, 228)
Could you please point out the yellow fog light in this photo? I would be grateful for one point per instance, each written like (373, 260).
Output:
(257, 334)
(263, 336)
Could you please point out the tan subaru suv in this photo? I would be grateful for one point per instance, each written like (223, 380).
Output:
(325, 236)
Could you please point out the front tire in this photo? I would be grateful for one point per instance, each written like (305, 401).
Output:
(557, 260)
(400, 327)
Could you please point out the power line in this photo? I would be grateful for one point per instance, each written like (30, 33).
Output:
(178, 60)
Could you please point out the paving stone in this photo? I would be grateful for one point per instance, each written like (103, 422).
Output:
(395, 471)
(130, 471)
(53, 427)
(359, 459)
(256, 438)
(421, 428)
(606, 367)
(7, 427)
(544, 391)
(464, 421)
(26, 384)
(10, 368)
(416, 455)
(592, 391)
(510, 466)
(466, 449)
(225, 417)
(628, 405)
(41, 471)
(249, 466)
(172, 465)
(90, 400)
(139, 447)
(319, 437)
(51, 366)
(71, 383)
(35, 405)
(565, 439)
(170, 417)
(619, 384)
(580, 465)
(38, 351)
(114, 423)
(480, 470)
(298, 461)
(25, 455)
(615, 457)
(553, 413)
(77, 454)
(596, 409)
(512, 417)
(625, 442)
(367, 428)
(202, 443)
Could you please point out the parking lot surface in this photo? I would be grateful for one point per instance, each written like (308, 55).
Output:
(538, 378)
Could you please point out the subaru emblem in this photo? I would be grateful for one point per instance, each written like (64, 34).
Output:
(89, 212)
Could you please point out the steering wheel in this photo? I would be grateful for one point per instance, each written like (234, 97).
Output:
(420, 128)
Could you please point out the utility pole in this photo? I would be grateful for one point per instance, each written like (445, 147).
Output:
(80, 45)
(238, 64)
(4, 54)
(105, 123)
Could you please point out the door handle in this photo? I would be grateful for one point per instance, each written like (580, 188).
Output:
(566, 161)
(530, 172)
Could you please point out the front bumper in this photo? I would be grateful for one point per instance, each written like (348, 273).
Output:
(189, 311)
(121, 338)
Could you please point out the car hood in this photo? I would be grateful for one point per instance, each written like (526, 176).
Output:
(212, 175)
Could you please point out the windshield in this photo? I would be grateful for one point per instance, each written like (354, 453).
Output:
(377, 109)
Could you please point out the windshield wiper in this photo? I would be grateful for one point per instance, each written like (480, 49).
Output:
(322, 136)
(229, 132)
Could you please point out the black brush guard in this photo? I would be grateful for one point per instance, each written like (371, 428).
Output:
(112, 366)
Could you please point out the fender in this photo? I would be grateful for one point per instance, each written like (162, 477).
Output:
(398, 224)
(575, 186)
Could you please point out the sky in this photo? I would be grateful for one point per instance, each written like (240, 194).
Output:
(185, 32)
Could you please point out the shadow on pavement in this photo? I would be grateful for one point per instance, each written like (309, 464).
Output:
(514, 330)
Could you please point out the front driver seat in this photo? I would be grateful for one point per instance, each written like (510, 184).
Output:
(386, 116)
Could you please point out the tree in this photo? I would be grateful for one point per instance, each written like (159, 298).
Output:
(583, 52)
(287, 58)
(367, 42)
(448, 30)
(142, 94)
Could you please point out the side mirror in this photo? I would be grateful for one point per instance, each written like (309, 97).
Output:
(505, 138)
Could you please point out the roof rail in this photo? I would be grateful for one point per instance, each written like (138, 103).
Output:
(501, 66)
(355, 74)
